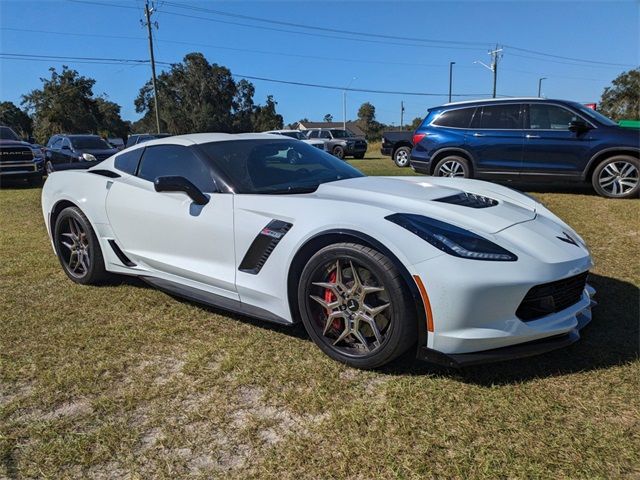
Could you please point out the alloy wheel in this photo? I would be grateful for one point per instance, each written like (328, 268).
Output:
(351, 308)
(618, 178)
(451, 168)
(74, 248)
(402, 158)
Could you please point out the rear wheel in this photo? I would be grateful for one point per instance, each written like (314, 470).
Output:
(617, 177)
(355, 305)
(401, 156)
(338, 151)
(453, 166)
(77, 248)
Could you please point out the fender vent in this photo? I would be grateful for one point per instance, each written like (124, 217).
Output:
(120, 254)
(470, 200)
(263, 245)
(105, 173)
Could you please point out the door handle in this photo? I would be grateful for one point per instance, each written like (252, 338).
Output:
(532, 136)
(478, 134)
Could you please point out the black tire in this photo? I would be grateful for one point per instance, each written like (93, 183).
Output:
(617, 177)
(71, 221)
(401, 156)
(395, 323)
(453, 166)
(338, 151)
(35, 181)
(359, 156)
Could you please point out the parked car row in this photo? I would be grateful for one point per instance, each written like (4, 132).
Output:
(337, 141)
(527, 139)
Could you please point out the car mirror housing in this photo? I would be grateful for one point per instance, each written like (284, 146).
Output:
(578, 126)
(180, 184)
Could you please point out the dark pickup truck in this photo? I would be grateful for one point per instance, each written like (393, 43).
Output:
(398, 146)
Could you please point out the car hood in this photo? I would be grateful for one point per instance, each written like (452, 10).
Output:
(419, 195)
(14, 143)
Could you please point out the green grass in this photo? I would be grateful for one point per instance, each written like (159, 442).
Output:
(125, 380)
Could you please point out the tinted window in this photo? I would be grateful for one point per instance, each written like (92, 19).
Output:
(7, 134)
(325, 135)
(128, 161)
(501, 117)
(549, 117)
(459, 118)
(161, 160)
(92, 143)
(276, 166)
(313, 134)
(52, 141)
(341, 134)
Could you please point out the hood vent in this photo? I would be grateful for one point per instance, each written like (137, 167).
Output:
(470, 200)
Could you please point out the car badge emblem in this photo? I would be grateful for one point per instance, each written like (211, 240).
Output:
(567, 239)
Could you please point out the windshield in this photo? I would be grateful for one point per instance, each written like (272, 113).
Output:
(597, 116)
(91, 143)
(7, 134)
(341, 134)
(276, 166)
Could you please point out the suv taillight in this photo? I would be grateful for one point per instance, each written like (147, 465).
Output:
(417, 137)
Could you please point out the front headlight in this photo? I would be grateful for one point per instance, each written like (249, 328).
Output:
(453, 240)
(88, 157)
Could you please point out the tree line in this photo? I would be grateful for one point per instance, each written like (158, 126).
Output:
(197, 96)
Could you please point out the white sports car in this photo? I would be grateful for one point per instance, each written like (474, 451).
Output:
(464, 271)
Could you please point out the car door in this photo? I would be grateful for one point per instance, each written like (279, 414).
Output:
(167, 231)
(550, 147)
(496, 138)
(53, 150)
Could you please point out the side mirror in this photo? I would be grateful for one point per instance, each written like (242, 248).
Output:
(578, 126)
(180, 184)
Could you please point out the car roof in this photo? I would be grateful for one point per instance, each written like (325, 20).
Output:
(199, 138)
(489, 101)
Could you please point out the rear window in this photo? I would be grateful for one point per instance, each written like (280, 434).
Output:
(95, 143)
(458, 118)
(128, 161)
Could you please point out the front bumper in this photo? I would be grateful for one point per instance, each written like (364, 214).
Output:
(355, 149)
(522, 350)
(22, 169)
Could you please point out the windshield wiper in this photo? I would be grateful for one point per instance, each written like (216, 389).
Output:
(290, 190)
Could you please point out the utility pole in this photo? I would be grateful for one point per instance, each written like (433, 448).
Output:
(540, 86)
(401, 114)
(344, 103)
(148, 11)
(495, 56)
(451, 64)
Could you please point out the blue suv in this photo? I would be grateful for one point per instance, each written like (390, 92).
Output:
(529, 139)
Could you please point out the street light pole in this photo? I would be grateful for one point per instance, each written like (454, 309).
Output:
(540, 86)
(344, 104)
(451, 64)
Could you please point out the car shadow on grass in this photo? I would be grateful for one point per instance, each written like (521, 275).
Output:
(611, 339)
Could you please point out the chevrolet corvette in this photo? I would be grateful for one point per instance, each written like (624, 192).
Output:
(462, 271)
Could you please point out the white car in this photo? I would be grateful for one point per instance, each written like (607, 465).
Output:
(300, 135)
(464, 271)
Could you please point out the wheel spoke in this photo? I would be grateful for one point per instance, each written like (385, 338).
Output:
(356, 279)
(68, 245)
(361, 339)
(345, 333)
(366, 290)
(373, 311)
(329, 306)
(330, 319)
(374, 327)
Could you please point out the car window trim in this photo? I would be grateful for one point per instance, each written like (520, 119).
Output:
(475, 109)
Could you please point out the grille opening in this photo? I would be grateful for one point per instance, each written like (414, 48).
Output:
(552, 297)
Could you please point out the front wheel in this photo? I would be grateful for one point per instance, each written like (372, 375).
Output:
(338, 152)
(453, 166)
(355, 305)
(617, 177)
(401, 157)
(77, 248)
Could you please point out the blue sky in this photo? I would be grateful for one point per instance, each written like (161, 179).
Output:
(599, 31)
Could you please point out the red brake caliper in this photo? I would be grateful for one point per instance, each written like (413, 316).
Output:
(330, 297)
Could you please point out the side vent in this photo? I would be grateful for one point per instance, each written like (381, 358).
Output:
(105, 173)
(470, 200)
(263, 245)
(120, 254)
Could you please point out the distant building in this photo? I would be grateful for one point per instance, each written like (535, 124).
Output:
(351, 126)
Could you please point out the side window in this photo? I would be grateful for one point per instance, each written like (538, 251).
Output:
(501, 117)
(163, 160)
(459, 118)
(65, 143)
(55, 143)
(128, 161)
(325, 135)
(313, 134)
(549, 117)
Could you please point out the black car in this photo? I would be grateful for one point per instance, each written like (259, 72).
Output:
(63, 151)
(19, 159)
(144, 137)
(398, 146)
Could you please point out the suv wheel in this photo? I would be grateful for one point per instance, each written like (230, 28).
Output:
(453, 166)
(338, 151)
(401, 156)
(617, 177)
